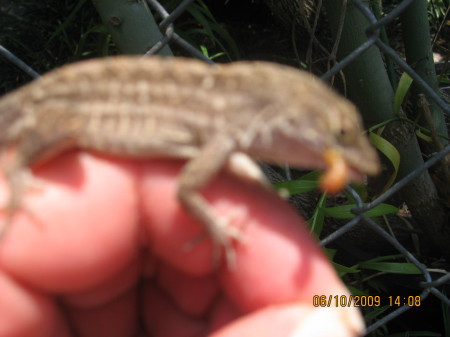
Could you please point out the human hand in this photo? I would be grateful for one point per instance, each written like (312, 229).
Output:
(100, 250)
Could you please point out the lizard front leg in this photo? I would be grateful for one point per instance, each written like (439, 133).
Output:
(19, 177)
(195, 175)
(17, 168)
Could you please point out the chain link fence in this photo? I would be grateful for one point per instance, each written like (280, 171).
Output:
(430, 284)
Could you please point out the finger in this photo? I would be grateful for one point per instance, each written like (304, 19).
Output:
(292, 320)
(117, 317)
(81, 227)
(276, 246)
(25, 312)
(278, 262)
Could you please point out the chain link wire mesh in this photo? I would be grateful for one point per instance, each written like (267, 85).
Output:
(431, 286)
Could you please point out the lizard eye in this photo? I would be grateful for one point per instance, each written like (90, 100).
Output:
(345, 136)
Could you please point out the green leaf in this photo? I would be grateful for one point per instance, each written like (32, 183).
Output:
(70, 18)
(417, 333)
(356, 291)
(390, 152)
(423, 136)
(391, 267)
(317, 219)
(306, 183)
(296, 186)
(402, 89)
(210, 27)
(343, 270)
(343, 212)
(386, 258)
(376, 312)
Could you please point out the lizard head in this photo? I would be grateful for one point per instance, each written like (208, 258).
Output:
(334, 130)
(347, 152)
(309, 126)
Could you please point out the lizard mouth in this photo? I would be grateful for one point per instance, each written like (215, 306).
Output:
(338, 173)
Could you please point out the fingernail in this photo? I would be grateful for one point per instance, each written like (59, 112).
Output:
(336, 322)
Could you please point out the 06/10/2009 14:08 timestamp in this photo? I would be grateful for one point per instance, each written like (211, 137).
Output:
(364, 301)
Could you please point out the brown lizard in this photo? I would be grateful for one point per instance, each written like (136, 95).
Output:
(211, 115)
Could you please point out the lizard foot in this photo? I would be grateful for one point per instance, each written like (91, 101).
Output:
(18, 181)
(223, 235)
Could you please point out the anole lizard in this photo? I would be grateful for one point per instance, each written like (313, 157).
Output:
(211, 115)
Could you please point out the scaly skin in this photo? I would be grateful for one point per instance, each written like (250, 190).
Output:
(156, 107)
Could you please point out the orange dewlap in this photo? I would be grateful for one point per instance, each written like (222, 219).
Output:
(337, 174)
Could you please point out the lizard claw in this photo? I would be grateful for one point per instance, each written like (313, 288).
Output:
(222, 235)
(223, 241)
